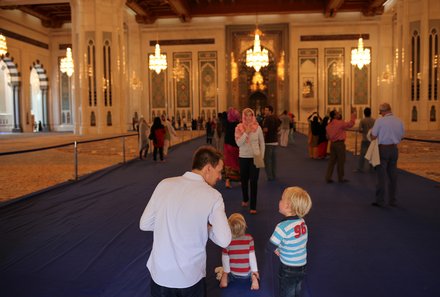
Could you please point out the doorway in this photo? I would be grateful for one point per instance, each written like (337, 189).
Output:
(36, 102)
(257, 101)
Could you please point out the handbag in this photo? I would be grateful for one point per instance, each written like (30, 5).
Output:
(258, 161)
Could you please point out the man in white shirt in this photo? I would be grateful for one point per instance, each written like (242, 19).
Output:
(183, 213)
(389, 131)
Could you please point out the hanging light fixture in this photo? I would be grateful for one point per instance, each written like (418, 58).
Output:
(178, 71)
(158, 61)
(360, 56)
(257, 57)
(3, 46)
(66, 64)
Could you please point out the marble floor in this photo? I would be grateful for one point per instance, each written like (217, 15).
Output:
(29, 172)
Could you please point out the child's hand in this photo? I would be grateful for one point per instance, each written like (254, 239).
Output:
(277, 252)
(255, 281)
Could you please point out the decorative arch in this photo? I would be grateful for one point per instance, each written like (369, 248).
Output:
(44, 84)
(15, 82)
(257, 101)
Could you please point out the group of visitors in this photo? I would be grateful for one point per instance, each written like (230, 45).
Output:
(249, 145)
(161, 134)
(177, 262)
(379, 146)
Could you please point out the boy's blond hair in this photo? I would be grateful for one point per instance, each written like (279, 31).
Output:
(237, 224)
(300, 201)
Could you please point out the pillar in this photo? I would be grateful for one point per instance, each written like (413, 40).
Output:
(97, 47)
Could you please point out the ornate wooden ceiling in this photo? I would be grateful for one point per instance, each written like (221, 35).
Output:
(54, 13)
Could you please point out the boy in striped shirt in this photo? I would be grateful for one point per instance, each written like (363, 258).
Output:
(289, 240)
(238, 258)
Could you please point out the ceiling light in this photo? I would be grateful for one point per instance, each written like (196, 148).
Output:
(360, 56)
(66, 64)
(257, 57)
(158, 61)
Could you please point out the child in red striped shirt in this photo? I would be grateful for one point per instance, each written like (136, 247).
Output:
(238, 258)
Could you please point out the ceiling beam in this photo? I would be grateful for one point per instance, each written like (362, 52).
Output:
(181, 9)
(45, 20)
(332, 7)
(30, 2)
(142, 16)
(375, 8)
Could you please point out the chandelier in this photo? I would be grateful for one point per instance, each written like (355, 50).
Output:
(66, 64)
(360, 56)
(338, 68)
(256, 57)
(158, 61)
(178, 71)
(258, 82)
(3, 46)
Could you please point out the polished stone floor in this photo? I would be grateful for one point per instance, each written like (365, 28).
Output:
(29, 172)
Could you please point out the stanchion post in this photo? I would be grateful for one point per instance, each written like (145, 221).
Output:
(355, 142)
(123, 149)
(75, 159)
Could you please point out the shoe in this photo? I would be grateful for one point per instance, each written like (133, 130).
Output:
(252, 211)
(344, 180)
(376, 204)
(244, 204)
(329, 181)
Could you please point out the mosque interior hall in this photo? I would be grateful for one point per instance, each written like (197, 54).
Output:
(94, 67)
(79, 78)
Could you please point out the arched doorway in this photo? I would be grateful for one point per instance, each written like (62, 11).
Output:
(257, 101)
(6, 99)
(36, 102)
(38, 98)
(9, 95)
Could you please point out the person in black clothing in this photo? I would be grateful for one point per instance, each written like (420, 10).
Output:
(157, 134)
(271, 124)
(210, 127)
(322, 139)
(230, 150)
(315, 127)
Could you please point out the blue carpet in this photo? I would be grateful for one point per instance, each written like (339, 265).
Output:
(82, 239)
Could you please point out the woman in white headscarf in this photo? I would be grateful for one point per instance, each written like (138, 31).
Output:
(250, 140)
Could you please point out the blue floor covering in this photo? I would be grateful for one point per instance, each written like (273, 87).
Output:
(82, 239)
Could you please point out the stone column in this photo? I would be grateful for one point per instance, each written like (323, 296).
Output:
(100, 70)
(45, 109)
(16, 102)
(424, 46)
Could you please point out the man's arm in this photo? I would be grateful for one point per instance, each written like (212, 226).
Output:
(350, 123)
(374, 131)
(220, 232)
(148, 217)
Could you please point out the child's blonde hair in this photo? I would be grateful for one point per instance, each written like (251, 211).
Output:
(237, 224)
(300, 201)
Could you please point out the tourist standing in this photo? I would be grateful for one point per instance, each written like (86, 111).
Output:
(336, 134)
(284, 128)
(144, 131)
(388, 131)
(271, 123)
(230, 148)
(250, 140)
(364, 126)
